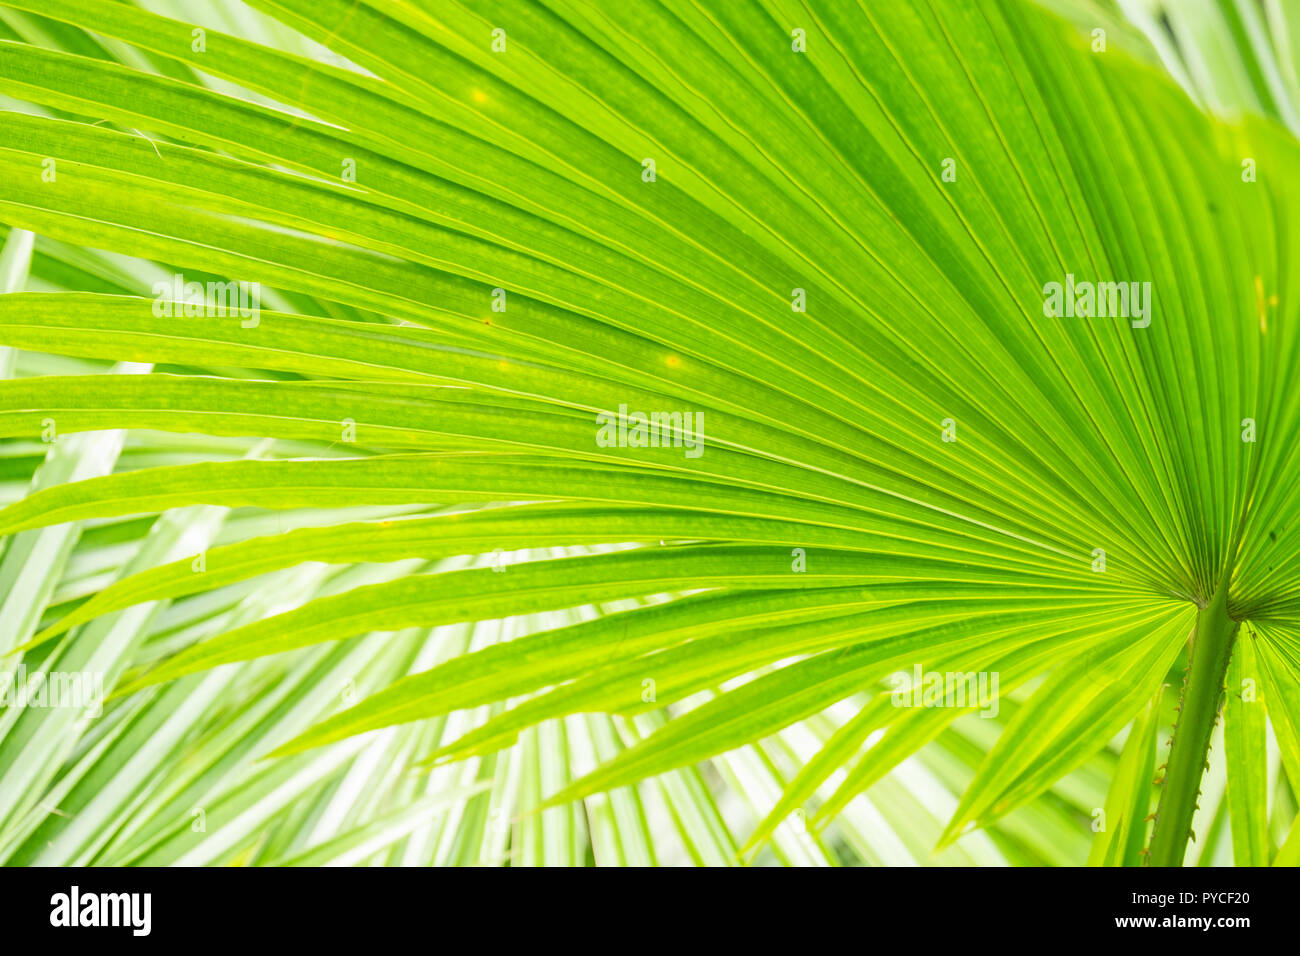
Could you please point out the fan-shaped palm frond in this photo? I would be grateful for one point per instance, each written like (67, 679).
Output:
(649, 433)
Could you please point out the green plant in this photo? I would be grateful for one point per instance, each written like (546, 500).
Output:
(821, 235)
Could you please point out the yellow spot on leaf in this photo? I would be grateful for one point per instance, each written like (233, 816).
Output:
(1262, 303)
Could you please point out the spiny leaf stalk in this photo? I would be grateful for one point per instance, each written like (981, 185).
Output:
(1197, 712)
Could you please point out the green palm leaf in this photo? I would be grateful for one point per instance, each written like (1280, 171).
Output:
(820, 241)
